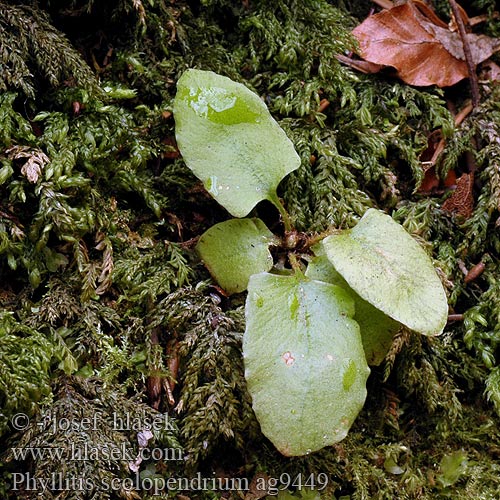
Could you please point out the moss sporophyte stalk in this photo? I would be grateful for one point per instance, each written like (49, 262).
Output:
(305, 354)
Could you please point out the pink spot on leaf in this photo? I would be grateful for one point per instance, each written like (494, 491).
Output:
(288, 358)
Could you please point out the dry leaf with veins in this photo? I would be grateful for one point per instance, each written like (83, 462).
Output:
(36, 160)
(461, 201)
(412, 39)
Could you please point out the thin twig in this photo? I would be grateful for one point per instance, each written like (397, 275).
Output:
(463, 114)
(366, 67)
(474, 86)
(475, 272)
(455, 317)
(481, 19)
(459, 118)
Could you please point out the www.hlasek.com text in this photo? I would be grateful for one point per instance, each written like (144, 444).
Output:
(85, 451)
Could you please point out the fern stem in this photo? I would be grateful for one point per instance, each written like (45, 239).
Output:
(294, 262)
(284, 214)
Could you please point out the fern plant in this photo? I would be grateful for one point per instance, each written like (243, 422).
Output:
(304, 360)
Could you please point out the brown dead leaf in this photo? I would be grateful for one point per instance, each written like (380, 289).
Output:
(429, 157)
(490, 71)
(461, 201)
(412, 39)
(35, 162)
(171, 151)
(432, 183)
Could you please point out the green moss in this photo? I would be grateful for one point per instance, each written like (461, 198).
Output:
(26, 356)
(97, 210)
